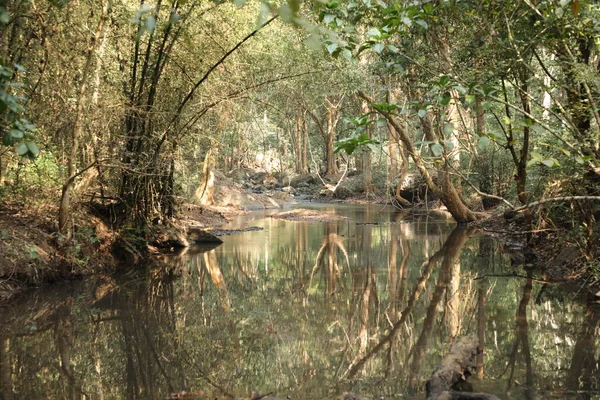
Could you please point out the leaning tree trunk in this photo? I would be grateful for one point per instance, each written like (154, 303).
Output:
(445, 189)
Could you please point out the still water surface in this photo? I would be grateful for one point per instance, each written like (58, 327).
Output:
(367, 305)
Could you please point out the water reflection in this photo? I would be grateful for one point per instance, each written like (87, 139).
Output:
(305, 310)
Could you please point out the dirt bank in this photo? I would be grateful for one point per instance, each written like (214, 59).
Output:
(32, 253)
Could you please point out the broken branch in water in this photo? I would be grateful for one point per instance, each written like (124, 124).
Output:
(452, 371)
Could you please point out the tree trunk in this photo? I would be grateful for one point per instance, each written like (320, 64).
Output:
(204, 192)
(77, 133)
(333, 116)
(446, 191)
(366, 155)
(400, 175)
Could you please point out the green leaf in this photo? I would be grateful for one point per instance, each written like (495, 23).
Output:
(461, 89)
(22, 149)
(448, 129)
(470, 99)
(536, 156)
(445, 99)
(7, 139)
(449, 144)
(421, 23)
(332, 47)
(286, 13)
(483, 143)
(16, 134)
(379, 47)
(150, 23)
(437, 149)
(549, 163)
(328, 18)
(4, 17)
(392, 48)
(422, 113)
(33, 148)
(374, 32)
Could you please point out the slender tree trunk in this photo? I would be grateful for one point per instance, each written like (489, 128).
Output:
(3, 168)
(304, 145)
(333, 116)
(366, 155)
(77, 133)
(6, 390)
(401, 174)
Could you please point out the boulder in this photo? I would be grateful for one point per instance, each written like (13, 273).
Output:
(304, 180)
(342, 192)
(199, 235)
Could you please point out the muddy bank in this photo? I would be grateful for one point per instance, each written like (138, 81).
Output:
(549, 249)
(33, 254)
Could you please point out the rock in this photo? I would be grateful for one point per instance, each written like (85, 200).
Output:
(519, 218)
(350, 187)
(270, 182)
(342, 192)
(304, 180)
(241, 174)
(326, 193)
(289, 189)
(509, 214)
(199, 235)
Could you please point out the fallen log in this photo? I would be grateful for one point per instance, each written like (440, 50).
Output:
(452, 370)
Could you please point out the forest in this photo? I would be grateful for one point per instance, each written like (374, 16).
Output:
(423, 173)
(131, 113)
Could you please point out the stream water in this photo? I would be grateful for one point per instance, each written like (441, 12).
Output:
(309, 310)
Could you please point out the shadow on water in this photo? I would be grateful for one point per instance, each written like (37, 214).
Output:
(306, 310)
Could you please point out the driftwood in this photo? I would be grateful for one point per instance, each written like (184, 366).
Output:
(452, 371)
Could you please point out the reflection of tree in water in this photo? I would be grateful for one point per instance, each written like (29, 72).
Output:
(522, 339)
(584, 371)
(226, 324)
(449, 254)
(327, 258)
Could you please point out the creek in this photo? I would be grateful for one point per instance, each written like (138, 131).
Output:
(309, 310)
